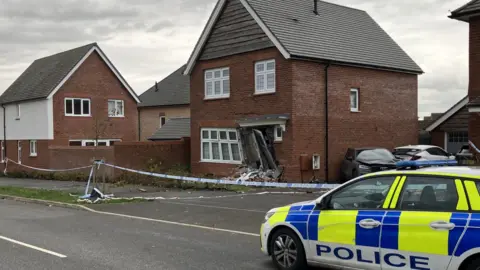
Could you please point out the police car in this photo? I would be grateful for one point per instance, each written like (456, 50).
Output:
(415, 217)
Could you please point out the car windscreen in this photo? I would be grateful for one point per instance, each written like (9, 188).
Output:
(405, 151)
(375, 154)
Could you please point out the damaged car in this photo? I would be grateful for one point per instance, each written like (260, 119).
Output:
(360, 161)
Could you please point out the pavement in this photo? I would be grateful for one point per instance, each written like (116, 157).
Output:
(199, 230)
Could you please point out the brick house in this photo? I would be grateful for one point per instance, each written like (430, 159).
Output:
(470, 13)
(167, 99)
(450, 129)
(75, 98)
(310, 78)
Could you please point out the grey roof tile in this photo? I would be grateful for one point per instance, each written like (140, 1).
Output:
(173, 90)
(175, 128)
(471, 6)
(43, 75)
(337, 33)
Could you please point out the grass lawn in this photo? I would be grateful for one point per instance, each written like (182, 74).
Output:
(51, 195)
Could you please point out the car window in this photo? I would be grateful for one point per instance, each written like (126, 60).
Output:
(436, 151)
(405, 151)
(429, 193)
(375, 154)
(364, 194)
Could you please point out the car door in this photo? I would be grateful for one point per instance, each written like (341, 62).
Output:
(346, 232)
(429, 216)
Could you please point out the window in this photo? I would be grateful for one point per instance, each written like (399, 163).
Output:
(458, 136)
(77, 107)
(3, 151)
(429, 193)
(102, 142)
(436, 151)
(265, 77)
(354, 100)
(18, 112)
(220, 145)
(115, 108)
(163, 119)
(365, 194)
(33, 148)
(19, 151)
(217, 83)
(278, 133)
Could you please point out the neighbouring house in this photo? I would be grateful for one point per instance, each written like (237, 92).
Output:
(423, 135)
(76, 98)
(287, 86)
(449, 130)
(170, 98)
(470, 13)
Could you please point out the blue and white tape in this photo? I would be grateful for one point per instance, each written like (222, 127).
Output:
(48, 170)
(227, 182)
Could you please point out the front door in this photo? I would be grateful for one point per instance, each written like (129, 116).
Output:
(426, 224)
(347, 233)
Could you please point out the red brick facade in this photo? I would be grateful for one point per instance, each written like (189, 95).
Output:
(474, 79)
(387, 117)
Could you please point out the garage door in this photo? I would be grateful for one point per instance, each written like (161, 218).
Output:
(455, 140)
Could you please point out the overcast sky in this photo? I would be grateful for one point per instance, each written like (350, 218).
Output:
(148, 39)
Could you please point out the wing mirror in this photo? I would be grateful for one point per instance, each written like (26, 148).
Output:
(322, 202)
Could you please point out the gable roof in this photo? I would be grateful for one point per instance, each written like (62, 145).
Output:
(45, 76)
(464, 12)
(338, 34)
(449, 113)
(175, 128)
(173, 90)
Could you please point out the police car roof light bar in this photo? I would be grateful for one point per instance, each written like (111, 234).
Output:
(427, 163)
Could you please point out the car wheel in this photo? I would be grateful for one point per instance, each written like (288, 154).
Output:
(287, 250)
(473, 264)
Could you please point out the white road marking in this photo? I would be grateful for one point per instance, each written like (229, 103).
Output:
(213, 206)
(33, 247)
(171, 222)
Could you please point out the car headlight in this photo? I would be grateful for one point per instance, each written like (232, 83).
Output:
(268, 215)
(363, 167)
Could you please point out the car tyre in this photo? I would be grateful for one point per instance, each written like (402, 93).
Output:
(473, 264)
(287, 250)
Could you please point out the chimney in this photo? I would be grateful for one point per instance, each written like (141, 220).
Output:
(315, 7)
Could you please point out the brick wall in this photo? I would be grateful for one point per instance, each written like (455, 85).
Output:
(387, 117)
(438, 138)
(96, 81)
(139, 155)
(242, 102)
(150, 117)
(474, 79)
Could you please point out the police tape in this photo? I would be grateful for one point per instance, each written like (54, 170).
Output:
(474, 146)
(239, 182)
(45, 170)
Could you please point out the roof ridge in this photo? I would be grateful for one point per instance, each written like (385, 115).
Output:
(94, 44)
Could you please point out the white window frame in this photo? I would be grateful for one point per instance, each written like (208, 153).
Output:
(107, 141)
(220, 79)
(278, 138)
(219, 141)
(19, 152)
(3, 151)
(265, 73)
(18, 112)
(115, 102)
(33, 148)
(163, 117)
(81, 107)
(357, 94)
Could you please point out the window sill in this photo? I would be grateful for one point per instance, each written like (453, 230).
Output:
(33, 155)
(355, 111)
(216, 98)
(221, 162)
(264, 93)
(118, 116)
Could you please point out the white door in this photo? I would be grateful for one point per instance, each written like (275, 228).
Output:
(348, 229)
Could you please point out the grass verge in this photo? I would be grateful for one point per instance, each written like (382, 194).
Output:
(52, 195)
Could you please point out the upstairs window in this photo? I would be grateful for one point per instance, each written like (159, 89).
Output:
(217, 83)
(265, 77)
(354, 100)
(115, 108)
(77, 107)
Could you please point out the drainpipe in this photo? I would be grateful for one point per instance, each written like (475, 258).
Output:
(139, 128)
(4, 132)
(326, 121)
